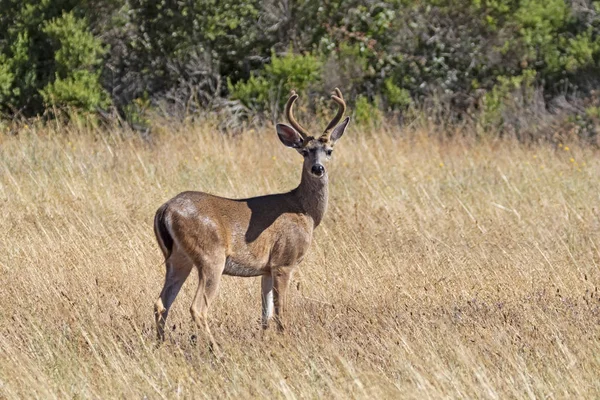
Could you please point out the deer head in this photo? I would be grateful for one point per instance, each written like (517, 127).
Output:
(315, 150)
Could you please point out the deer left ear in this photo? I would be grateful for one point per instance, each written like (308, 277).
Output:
(339, 130)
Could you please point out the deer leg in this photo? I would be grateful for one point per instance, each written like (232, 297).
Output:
(178, 269)
(209, 278)
(266, 284)
(281, 281)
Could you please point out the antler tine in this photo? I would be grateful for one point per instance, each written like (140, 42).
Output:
(290, 116)
(338, 93)
(338, 98)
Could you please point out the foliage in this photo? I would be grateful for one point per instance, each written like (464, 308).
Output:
(48, 56)
(440, 56)
(396, 97)
(504, 94)
(366, 113)
(282, 74)
(76, 53)
(187, 46)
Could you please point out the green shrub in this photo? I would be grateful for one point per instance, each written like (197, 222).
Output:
(254, 93)
(6, 79)
(271, 88)
(440, 56)
(504, 94)
(366, 113)
(76, 54)
(136, 112)
(80, 89)
(187, 46)
(48, 56)
(397, 98)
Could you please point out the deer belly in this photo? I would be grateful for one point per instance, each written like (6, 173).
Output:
(234, 268)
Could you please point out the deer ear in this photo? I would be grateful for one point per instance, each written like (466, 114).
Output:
(339, 130)
(288, 136)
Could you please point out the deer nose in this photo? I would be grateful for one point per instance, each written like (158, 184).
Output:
(318, 170)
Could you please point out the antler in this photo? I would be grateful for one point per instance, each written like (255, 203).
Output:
(338, 98)
(290, 116)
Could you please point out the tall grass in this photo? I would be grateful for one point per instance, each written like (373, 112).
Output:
(442, 269)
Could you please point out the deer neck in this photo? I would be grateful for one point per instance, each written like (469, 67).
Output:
(312, 195)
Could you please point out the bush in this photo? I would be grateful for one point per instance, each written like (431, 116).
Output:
(397, 98)
(506, 93)
(178, 52)
(76, 54)
(456, 60)
(366, 113)
(269, 90)
(48, 57)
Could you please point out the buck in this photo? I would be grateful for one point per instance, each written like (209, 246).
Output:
(265, 236)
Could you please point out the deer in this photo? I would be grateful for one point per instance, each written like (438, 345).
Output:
(266, 236)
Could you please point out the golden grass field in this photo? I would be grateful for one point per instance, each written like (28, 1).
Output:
(443, 269)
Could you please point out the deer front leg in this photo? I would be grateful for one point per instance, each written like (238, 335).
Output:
(281, 281)
(266, 284)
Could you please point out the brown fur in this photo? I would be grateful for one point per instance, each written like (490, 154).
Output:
(264, 236)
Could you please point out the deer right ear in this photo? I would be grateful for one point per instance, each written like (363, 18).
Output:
(288, 136)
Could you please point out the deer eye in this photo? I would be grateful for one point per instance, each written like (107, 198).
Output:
(328, 152)
(304, 152)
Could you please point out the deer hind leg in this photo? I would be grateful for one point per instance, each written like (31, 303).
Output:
(178, 269)
(281, 282)
(266, 284)
(210, 270)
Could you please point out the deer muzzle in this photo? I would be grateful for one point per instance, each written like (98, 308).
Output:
(318, 170)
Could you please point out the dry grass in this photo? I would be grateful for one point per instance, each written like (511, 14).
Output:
(441, 270)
